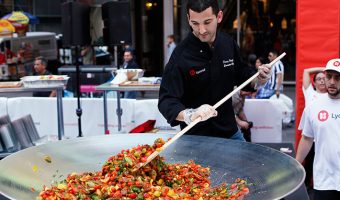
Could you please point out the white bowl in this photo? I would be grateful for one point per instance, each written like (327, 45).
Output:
(132, 74)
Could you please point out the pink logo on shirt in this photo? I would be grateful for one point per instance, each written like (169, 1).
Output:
(323, 115)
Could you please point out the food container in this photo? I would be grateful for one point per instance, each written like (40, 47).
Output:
(10, 84)
(132, 74)
(44, 81)
(123, 75)
(150, 80)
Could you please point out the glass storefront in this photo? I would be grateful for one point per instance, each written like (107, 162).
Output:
(264, 25)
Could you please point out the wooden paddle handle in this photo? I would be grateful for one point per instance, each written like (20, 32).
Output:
(219, 103)
(246, 83)
(173, 139)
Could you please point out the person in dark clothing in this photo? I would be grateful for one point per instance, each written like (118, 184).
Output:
(202, 70)
(129, 63)
(129, 60)
(40, 64)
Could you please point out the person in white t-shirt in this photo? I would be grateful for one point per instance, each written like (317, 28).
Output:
(321, 123)
(311, 93)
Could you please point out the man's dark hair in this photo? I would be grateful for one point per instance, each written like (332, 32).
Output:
(261, 59)
(273, 51)
(42, 60)
(171, 36)
(201, 5)
(129, 49)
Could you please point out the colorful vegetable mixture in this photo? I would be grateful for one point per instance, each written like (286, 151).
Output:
(156, 180)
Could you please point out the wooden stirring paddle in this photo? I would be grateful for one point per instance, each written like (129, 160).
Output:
(219, 103)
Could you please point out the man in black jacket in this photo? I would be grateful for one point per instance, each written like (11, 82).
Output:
(203, 69)
(40, 64)
(129, 61)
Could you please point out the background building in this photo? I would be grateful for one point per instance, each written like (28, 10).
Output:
(264, 25)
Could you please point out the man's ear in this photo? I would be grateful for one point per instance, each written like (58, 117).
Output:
(188, 18)
(219, 16)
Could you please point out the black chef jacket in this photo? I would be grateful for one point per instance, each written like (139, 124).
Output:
(198, 74)
(131, 65)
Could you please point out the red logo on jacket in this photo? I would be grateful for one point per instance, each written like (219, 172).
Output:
(192, 72)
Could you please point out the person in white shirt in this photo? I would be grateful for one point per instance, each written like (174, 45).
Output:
(311, 93)
(321, 123)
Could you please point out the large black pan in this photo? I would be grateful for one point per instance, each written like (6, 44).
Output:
(271, 174)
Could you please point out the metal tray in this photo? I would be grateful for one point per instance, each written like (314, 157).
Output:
(44, 81)
(270, 173)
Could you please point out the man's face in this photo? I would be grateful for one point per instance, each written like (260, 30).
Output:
(39, 67)
(204, 24)
(127, 56)
(333, 83)
(271, 56)
(320, 82)
(258, 63)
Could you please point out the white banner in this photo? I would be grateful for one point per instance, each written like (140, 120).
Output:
(267, 118)
(44, 114)
(146, 110)
(3, 106)
(265, 114)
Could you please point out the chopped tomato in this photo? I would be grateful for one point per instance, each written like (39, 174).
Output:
(156, 180)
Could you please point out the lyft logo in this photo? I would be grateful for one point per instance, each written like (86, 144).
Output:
(323, 115)
(335, 116)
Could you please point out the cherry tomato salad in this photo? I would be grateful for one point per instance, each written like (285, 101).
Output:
(156, 180)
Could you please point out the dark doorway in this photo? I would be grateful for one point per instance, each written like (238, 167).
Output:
(149, 35)
(265, 25)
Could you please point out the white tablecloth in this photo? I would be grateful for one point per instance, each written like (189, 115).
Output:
(44, 114)
(147, 109)
(3, 106)
(266, 115)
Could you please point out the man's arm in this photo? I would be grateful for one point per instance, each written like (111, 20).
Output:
(84, 51)
(304, 147)
(170, 93)
(242, 123)
(306, 75)
(263, 77)
(279, 83)
(53, 93)
(204, 112)
(180, 116)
